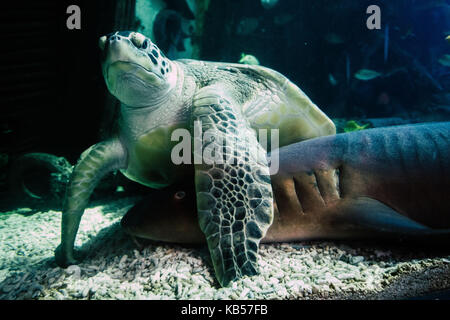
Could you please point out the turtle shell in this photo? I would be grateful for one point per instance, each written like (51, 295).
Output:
(278, 104)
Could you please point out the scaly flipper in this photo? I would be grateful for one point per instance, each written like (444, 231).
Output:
(234, 199)
(94, 163)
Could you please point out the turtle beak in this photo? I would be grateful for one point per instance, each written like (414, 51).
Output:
(136, 38)
(102, 42)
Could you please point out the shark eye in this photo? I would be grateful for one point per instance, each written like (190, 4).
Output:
(179, 195)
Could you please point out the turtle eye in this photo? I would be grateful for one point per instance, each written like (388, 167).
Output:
(179, 195)
(137, 39)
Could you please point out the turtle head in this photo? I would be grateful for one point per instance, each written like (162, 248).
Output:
(136, 72)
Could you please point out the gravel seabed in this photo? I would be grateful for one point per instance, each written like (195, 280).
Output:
(116, 267)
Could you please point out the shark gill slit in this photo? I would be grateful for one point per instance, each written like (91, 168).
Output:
(298, 193)
(319, 184)
(338, 174)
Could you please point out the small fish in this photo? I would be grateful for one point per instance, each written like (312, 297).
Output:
(334, 38)
(352, 125)
(332, 80)
(448, 38)
(366, 74)
(445, 60)
(249, 59)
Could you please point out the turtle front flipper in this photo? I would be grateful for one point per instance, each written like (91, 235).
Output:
(94, 163)
(234, 196)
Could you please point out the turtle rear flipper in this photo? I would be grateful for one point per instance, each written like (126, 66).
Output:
(234, 194)
(94, 163)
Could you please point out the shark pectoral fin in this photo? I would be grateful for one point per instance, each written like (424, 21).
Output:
(368, 217)
(234, 194)
(373, 214)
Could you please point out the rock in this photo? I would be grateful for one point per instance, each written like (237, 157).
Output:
(278, 275)
(345, 276)
(244, 293)
(155, 277)
(357, 259)
(273, 280)
(281, 292)
(85, 292)
(122, 261)
(24, 210)
(74, 271)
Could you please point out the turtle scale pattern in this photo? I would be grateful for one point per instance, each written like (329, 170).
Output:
(234, 201)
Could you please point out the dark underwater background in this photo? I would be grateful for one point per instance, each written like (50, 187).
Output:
(53, 98)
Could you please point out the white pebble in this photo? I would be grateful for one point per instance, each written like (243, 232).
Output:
(74, 270)
(273, 280)
(244, 293)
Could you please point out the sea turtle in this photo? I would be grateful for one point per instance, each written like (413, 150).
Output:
(230, 101)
